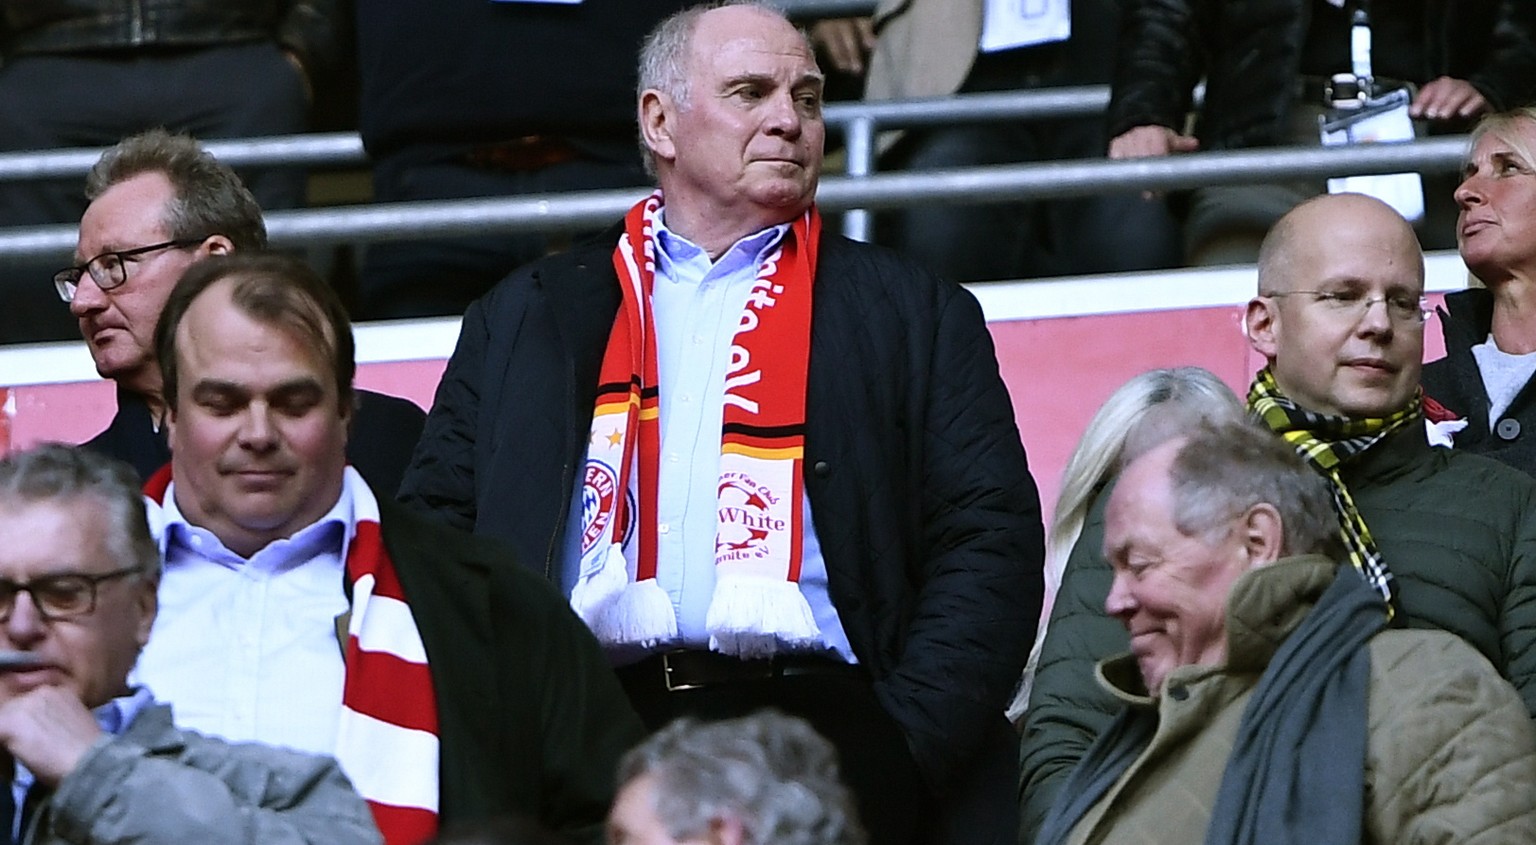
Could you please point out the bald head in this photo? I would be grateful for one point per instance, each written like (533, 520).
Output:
(1339, 315)
(1323, 217)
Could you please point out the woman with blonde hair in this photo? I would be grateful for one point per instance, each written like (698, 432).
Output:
(1145, 411)
(1490, 332)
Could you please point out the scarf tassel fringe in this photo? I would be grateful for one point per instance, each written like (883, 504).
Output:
(750, 616)
(640, 613)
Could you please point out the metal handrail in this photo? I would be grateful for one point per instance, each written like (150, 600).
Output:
(805, 10)
(589, 209)
(345, 149)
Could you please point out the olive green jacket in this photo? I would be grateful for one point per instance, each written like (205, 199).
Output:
(1457, 530)
(1450, 750)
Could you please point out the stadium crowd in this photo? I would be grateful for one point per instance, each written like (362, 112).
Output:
(264, 605)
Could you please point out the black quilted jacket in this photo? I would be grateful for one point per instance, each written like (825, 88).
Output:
(1249, 50)
(926, 512)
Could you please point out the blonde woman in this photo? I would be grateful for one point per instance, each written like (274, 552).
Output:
(1485, 377)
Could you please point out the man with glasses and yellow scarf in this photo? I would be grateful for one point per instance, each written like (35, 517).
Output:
(1448, 538)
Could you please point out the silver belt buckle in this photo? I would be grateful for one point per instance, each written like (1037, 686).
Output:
(666, 676)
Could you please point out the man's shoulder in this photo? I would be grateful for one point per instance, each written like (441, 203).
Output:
(423, 548)
(877, 277)
(1415, 668)
(1484, 478)
(1428, 474)
(156, 732)
(385, 406)
(843, 254)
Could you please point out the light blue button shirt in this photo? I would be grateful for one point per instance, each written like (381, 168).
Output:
(246, 649)
(697, 304)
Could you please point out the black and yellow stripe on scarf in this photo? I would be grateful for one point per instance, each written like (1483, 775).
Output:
(1326, 442)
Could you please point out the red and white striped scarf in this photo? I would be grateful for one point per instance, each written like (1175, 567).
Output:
(386, 738)
(757, 604)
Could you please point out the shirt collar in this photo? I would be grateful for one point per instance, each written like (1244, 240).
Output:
(115, 716)
(337, 525)
(674, 250)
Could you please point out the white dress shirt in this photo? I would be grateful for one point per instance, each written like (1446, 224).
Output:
(246, 649)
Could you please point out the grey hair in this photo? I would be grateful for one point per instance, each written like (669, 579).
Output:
(55, 472)
(664, 58)
(210, 199)
(771, 772)
(1222, 470)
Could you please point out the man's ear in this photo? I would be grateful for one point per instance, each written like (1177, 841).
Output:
(1261, 323)
(148, 603)
(217, 245)
(1263, 534)
(658, 113)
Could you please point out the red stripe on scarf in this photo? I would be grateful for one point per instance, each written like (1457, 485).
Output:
(405, 825)
(407, 701)
(365, 557)
(157, 484)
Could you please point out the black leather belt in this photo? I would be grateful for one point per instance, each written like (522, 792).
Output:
(674, 671)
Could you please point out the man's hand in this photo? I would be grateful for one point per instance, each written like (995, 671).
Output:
(1148, 141)
(47, 730)
(1145, 141)
(846, 42)
(1448, 99)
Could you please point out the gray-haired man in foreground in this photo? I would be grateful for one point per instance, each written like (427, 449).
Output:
(1264, 698)
(95, 759)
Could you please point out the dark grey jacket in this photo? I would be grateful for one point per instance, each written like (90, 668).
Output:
(160, 785)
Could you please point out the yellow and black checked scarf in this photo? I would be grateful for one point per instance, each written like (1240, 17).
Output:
(1326, 443)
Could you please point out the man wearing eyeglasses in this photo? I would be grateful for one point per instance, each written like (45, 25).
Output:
(1447, 538)
(87, 756)
(159, 203)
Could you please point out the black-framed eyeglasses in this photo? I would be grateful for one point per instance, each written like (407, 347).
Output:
(110, 269)
(65, 595)
(1352, 305)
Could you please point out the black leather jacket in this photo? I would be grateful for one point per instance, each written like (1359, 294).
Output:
(304, 27)
(1249, 53)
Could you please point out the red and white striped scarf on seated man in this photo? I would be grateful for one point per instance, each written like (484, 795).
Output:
(386, 738)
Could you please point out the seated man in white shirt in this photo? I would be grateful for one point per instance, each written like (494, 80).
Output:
(97, 759)
(299, 609)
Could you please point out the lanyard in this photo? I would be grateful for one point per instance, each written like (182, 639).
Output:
(1360, 43)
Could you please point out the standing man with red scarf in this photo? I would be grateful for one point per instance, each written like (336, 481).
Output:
(771, 466)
